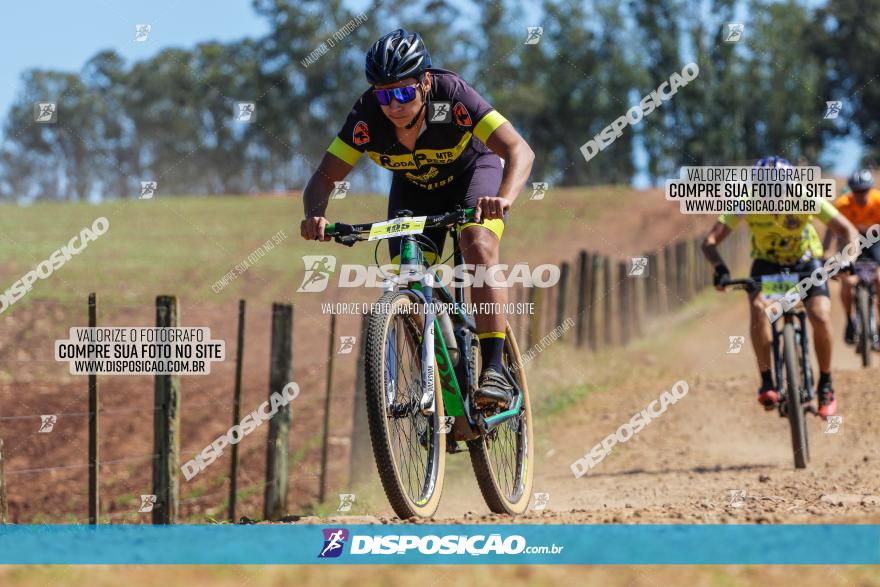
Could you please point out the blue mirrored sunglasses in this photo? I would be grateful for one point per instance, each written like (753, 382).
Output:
(402, 95)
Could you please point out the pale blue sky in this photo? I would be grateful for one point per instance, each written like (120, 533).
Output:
(63, 34)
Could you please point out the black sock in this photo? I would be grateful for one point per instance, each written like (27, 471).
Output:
(491, 345)
(824, 379)
(766, 380)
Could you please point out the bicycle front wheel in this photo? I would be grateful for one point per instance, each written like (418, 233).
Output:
(503, 459)
(793, 392)
(863, 308)
(409, 447)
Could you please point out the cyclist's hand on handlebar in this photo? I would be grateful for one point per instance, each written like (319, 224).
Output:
(491, 207)
(313, 228)
(721, 276)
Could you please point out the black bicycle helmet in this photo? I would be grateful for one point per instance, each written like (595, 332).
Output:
(396, 56)
(861, 181)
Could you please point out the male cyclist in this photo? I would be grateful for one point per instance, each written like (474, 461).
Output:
(861, 206)
(442, 141)
(784, 241)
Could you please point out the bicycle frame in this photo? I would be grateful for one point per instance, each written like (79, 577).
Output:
(454, 380)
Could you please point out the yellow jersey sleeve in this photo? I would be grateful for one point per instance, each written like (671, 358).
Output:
(827, 211)
(730, 220)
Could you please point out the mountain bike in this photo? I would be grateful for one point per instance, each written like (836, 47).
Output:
(791, 356)
(422, 368)
(866, 324)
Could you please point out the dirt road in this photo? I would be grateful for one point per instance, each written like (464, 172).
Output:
(714, 457)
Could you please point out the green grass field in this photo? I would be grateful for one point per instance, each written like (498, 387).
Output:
(183, 245)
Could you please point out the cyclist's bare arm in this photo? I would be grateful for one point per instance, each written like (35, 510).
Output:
(828, 240)
(717, 234)
(317, 194)
(845, 231)
(518, 158)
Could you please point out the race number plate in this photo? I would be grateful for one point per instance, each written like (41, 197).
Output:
(775, 287)
(397, 227)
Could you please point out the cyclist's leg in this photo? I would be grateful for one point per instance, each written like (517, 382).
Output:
(818, 304)
(846, 296)
(760, 327)
(481, 245)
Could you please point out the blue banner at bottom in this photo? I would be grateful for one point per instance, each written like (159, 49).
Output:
(440, 544)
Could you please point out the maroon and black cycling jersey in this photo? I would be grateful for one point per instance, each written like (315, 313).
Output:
(457, 125)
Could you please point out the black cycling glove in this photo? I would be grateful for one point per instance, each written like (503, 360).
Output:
(722, 274)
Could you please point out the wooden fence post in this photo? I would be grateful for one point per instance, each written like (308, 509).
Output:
(275, 497)
(652, 286)
(637, 304)
(624, 307)
(166, 427)
(581, 309)
(322, 493)
(561, 299)
(607, 302)
(691, 268)
(236, 410)
(4, 504)
(536, 296)
(94, 508)
(361, 460)
(597, 286)
(671, 277)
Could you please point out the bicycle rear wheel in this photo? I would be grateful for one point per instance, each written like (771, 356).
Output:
(503, 459)
(796, 418)
(409, 447)
(863, 310)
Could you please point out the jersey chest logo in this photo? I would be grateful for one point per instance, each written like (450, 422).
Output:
(361, 134)
(460, 113)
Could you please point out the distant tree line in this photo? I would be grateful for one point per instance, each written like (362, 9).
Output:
(172, 118)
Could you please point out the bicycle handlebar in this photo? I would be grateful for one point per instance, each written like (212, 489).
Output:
(348, 234)
(752, 285)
